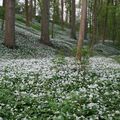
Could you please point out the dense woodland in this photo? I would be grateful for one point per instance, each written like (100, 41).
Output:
(60, 60)
(100, 19)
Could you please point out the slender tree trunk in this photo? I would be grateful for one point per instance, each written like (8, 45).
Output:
(34, 8)
(114, 30)
(27, 13)
(31, 11)
(73, 16)
(86, 27)
(90, 21)
(105, 22)
(62, 13)
(93, 40)
(66, 19)
(52, 29)
(82, 30)
(53, 19)
(45, 22)
(70, 12)
(9, 40)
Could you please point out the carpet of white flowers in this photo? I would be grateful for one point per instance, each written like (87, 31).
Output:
(37, 84)
(58, 88)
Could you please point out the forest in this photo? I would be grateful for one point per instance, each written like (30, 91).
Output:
(59, 59)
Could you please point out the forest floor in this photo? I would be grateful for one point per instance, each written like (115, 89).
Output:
(38, 82)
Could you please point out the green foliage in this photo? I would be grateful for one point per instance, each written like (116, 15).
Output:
(36, 26)
(20, 18)
(19, 7)
(85, 54)
(117, 58)
(58, 100)
(60, 59)
(2, 11)
(38, 18)
(55, 12)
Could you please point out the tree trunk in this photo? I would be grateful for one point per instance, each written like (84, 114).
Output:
(94, 30)
(105, 22)
(45, 22)
(34, 8)
(31, 11)
(62, 13)
(82, 30)
(73, 16)
(27, 13)
(114, 27)
(9, 40)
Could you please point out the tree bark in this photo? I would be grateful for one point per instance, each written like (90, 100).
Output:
(45, 22)
(62, 13)
(82, 30)
(73, 16)
(27, 13)
(9, 40)
(105, 22)
(34, 8)
(94, 30)
(31, 11)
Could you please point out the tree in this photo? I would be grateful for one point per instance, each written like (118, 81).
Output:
(94, 30)
(31, 10)
(9, 40)
(73, 15)
(27, 13)
(105, 22)
(62, 13)
(35, 4)
(68, 12)
(45, 22)
(82, 30)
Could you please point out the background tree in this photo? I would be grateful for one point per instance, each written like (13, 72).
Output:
(45, 7)
(73, 19)
(82, 30)
(94, 29)
(31, 10)
(35, 7)
(9, 40)
(62, 14)
(27, 13)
